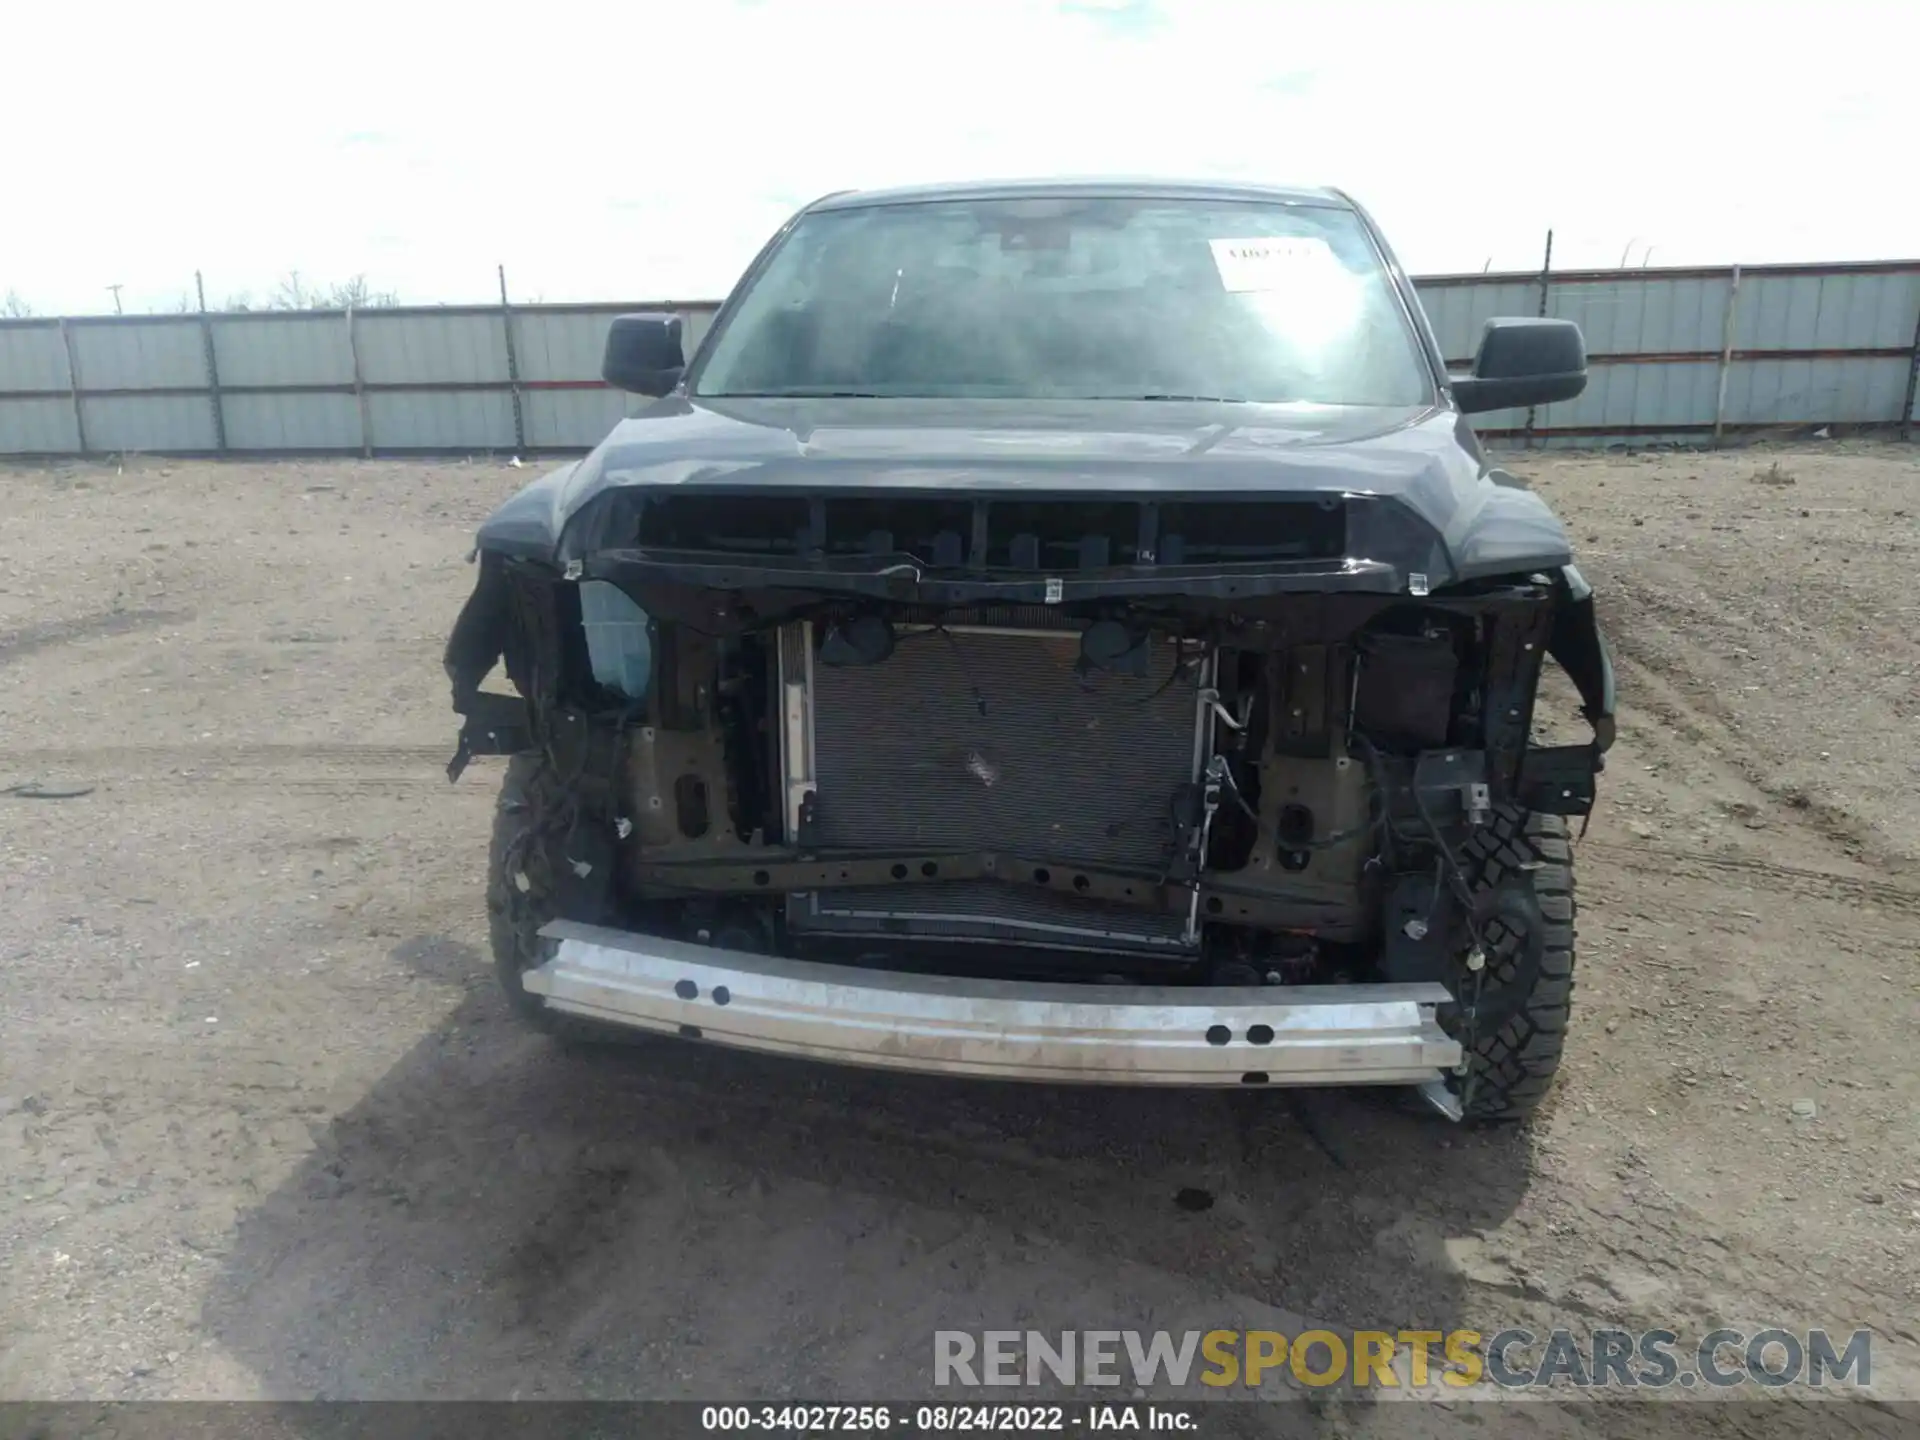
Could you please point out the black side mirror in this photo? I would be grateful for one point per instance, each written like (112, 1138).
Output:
(1523, 362)
(644, 354)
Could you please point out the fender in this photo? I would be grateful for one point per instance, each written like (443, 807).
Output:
(1579, 648)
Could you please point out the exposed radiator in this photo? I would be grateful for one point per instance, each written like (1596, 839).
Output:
(990, 740)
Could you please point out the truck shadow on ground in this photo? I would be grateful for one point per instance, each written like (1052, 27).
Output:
(502, 1216)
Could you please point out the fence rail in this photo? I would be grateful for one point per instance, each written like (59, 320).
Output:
(1683, 354)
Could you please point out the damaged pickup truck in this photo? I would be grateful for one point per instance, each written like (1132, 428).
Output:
(1058, 632)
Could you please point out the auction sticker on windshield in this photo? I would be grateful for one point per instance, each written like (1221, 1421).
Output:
(1270, 262)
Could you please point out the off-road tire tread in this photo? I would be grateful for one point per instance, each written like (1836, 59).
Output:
(1513, 1068)
(514, 916)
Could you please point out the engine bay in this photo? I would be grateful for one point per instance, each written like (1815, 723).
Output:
(1174, 792)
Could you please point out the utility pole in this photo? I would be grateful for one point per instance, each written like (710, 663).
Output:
(116, 299)
(1546, 278)
(513, 365)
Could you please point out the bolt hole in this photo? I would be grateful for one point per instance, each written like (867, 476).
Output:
(1042, 877)
(1218, 1035)
(686, 989)
(929, 869)
(690, 806)
(1214, 905)
(1260, 1034)
(1254, 1077)
(689, 1032)
(1294, 827)
(760, 877)
(1080, 882)
(722, 995)
(899, 872)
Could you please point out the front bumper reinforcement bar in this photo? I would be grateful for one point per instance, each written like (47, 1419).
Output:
(997, 1029)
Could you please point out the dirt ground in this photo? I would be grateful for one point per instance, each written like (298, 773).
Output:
(267, 1131)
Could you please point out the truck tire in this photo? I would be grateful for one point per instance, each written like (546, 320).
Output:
(520, 899)
(519, 888)
(1511, 1065)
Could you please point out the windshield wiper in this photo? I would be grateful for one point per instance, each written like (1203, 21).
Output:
(1208, 399)
(799, 392)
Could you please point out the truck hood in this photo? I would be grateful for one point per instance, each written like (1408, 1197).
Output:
(1424, 461)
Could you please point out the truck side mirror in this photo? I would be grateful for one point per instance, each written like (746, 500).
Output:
(644, 354)
(1523, 362)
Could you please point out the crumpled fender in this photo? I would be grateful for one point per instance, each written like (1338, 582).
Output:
(480, 633)
(1579, 648)
(493, 724)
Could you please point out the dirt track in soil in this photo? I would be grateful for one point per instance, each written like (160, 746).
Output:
(266, 1130)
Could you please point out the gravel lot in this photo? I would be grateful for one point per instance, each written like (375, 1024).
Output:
(266, 1130)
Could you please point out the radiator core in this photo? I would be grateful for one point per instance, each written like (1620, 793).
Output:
(991, 740)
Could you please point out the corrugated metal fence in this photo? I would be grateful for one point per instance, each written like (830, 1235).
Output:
(1694, 354)
(388, 381)
(1675, 354)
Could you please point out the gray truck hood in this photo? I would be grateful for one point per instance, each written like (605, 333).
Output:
(1424, 460)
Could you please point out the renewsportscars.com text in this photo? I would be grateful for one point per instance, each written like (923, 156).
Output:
(1506, 1359)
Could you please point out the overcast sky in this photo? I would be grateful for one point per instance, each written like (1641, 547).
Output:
(643, 150)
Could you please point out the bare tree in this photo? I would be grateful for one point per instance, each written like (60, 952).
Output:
(14, 307)
(355, 293)
(293, 293)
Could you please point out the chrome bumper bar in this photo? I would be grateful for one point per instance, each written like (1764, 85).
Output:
(997, 1029)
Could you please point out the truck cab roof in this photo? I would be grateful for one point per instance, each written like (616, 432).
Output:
(1133, 187)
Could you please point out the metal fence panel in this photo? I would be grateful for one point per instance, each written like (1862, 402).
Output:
(1863, 390)
(1646, 317)
(32, 357)
(147, 354)
(1458, 310)
(571, 419)
(698, 320)
(563, 345)
(282, 350)
(1816, 392)
(1628, 397)
(1827, 312)
(421, 420)
(415, 348)
(292, 422)
(37, 427)
(148, 423)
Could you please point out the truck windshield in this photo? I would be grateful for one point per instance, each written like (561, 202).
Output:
(1073, 298)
